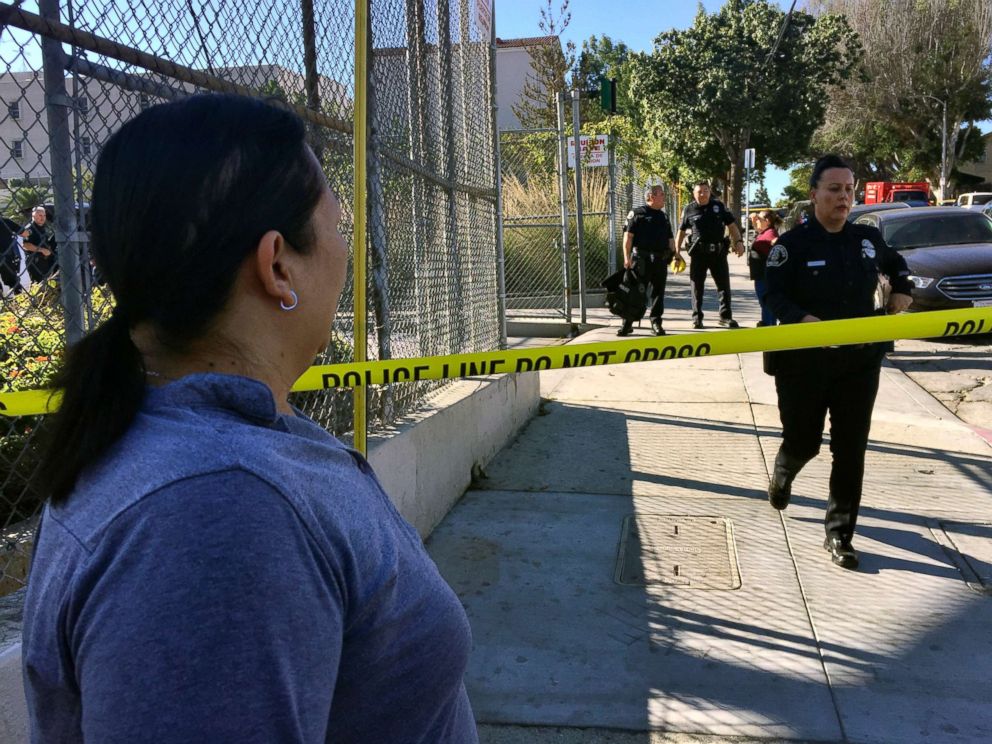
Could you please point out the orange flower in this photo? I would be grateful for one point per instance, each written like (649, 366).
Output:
(42, 359)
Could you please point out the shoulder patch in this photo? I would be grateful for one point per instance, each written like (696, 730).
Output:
(777, 256)
(867, 248)
(630, 214)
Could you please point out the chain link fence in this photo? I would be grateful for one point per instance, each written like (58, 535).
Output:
(72, 72)
(534, 242)
(539, 222)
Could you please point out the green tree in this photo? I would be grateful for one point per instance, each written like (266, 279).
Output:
(712, 90)
(918, 55)
(798, 186)
(761, 196)
(23, 197)
(549, 65)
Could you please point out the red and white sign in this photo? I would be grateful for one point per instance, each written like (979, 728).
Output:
(595, 151)
(484, 19)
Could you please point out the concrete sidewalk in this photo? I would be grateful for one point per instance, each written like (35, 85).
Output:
(726, 620)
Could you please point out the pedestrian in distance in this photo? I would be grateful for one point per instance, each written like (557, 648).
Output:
(828, 269)
(648, 246)
(14, 276)
(212, 566)
(704, 222)
(39, 245)
(766, 224)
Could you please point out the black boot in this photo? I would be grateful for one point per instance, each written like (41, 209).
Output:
(656, 327)
(841, 552)
(780, 486)
(626, 328)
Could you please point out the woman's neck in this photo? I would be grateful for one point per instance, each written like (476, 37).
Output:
(217, 356)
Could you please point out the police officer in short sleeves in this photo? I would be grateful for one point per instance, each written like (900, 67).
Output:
(828, 269)
(648, 246)
(704, 220)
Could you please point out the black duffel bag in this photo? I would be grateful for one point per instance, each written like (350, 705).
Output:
(626, 295)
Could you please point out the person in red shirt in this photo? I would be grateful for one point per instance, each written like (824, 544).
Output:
(766, 225)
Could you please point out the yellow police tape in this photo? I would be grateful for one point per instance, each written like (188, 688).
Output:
(803, 335)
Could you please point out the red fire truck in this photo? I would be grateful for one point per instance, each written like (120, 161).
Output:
(877, 192)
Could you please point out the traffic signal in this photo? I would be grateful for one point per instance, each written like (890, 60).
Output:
(608, 95)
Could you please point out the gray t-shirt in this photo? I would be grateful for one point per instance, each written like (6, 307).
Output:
(229, 574)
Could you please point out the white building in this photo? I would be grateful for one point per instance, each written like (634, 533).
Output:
(100, 108)
(513, 70)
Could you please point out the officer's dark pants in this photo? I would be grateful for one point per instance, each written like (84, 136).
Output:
(654, 270)
(716, 264)
(844, 382)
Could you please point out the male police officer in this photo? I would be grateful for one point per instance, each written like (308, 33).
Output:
(39, 244)
(827, 269)
(705, 219)
(649, 233)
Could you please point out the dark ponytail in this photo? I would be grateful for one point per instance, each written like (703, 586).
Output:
(181, 196)
(103, 380)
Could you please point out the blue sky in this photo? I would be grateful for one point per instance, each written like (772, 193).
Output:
(634, 22)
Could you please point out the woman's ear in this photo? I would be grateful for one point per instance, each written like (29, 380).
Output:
(271, 264)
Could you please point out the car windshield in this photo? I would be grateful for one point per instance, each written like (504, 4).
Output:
(903, 196)
(950, 229)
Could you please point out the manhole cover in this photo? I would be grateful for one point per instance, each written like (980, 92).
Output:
(969, 546)
(694, 552)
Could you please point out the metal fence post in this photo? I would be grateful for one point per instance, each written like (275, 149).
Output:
(58, 104)
(416, 129)
(611, 258)
(576, 132)
(563, 203)
(452, 268)
(498, 167)
(379, 238)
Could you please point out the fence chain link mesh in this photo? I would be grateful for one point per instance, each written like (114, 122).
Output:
(74, 71)
(542, 276)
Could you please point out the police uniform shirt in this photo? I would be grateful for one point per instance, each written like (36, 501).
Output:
(830, 276)
(650, 228)
(706, 222)
(37, 235)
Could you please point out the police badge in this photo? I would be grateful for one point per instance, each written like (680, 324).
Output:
(867, 249)
(778, 256)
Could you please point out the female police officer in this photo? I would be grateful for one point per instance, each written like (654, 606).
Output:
(827, 269)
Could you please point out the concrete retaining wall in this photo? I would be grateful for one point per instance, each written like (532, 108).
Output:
(425, 464)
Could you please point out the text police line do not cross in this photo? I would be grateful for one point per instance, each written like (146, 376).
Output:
(944, 323)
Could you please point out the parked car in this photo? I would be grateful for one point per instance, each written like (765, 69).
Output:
(948, 250)
(975, 200)
(859, 209)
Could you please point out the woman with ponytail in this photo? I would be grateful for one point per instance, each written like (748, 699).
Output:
(211, 566)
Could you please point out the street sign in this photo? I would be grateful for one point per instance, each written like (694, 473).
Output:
(749, 158)
(608, 95)
(595, 151)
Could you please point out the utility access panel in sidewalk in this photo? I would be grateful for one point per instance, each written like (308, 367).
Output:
(692, 552)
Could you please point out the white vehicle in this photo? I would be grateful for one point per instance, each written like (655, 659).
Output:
(975, 200)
